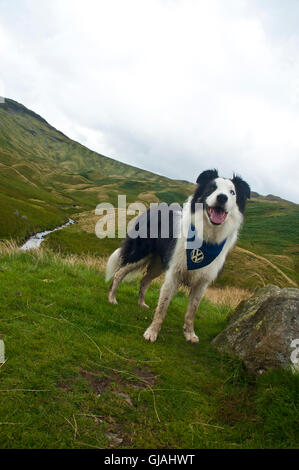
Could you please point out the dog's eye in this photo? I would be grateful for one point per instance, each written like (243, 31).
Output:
(232, 192)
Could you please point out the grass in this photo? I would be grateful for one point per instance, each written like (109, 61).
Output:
(79, 374)
(76, 241)
(22, 218)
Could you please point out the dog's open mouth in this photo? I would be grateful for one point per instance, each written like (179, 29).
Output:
(217, 215)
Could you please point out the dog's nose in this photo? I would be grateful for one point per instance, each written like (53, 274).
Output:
(222, 198)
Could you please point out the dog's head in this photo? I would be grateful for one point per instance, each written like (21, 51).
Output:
(221, 197)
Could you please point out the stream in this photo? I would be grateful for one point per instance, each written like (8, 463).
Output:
(34, 242)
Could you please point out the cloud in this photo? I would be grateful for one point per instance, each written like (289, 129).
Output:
(172, 86)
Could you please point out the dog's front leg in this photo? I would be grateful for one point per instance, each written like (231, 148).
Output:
(196, 294)
(167, 292)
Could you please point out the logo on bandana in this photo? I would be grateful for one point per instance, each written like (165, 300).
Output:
(197, 255)
(204, 253)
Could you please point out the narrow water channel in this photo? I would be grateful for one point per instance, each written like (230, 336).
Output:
(34, 242)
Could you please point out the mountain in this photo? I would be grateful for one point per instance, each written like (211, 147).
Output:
(269, 197)
(45, 177)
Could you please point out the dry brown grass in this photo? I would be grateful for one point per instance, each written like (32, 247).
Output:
(8, 247)
(91, 262)
(230, 296)
(88, 220)
(148, 196)
(86, 260)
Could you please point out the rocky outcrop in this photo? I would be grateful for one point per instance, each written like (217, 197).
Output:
(263, 329)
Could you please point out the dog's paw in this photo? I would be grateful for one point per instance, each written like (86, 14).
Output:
(151, 334)
(191, 336)
(143, 304)
(112, 300)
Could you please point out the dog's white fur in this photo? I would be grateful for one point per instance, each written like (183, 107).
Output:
(113, 264)
(177, 273)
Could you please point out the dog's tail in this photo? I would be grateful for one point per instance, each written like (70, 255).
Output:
(113, 263)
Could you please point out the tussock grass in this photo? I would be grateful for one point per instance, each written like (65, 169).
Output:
(8, 247)
(228, 295)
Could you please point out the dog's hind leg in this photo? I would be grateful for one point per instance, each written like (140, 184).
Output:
(167, 292)
(118, 277)
(154, 270)
(196, 294)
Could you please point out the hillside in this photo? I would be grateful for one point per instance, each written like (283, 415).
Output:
(45, 177)
(78, 373)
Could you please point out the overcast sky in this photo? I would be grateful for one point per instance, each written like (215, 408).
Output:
(171, 86)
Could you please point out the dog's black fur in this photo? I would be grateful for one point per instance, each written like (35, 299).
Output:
(243, 192)
(135, 249)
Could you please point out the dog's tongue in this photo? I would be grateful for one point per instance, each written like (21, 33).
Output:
(217, 216)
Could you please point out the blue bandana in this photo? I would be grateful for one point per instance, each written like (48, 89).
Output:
(201, 254)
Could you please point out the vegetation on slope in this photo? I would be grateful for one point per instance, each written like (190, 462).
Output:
(79, 374)
(42, 170)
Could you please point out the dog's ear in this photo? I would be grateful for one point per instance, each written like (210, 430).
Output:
(206, 176)
(242, 190)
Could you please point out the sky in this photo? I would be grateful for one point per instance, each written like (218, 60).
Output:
(170, 86)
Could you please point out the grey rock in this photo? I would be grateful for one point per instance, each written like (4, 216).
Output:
(262, 329)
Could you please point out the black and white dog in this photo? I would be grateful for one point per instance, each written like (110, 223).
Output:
(222, 202)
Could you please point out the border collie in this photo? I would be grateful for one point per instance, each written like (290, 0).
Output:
(222, 202)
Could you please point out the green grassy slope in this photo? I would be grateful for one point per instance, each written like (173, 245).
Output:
(79, 374)
(271, 228)
(270, 231)
(42, 169)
